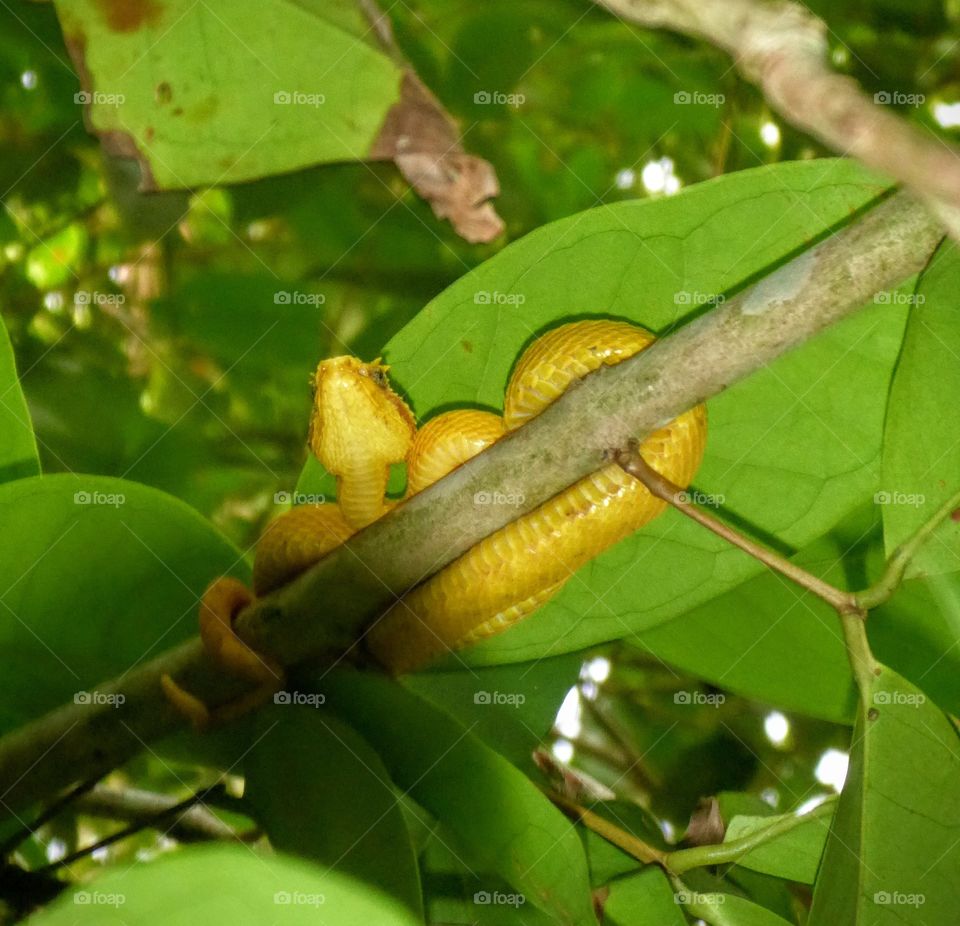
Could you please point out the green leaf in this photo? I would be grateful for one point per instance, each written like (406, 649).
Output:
(18, 446)
(792, 450)
(921, 450)
(768, 640)
(794, 855)
(720, 909)
(643, 899)
(96, 575)
(511, 708)
(224, 886)
(892, 854)
(208, 96)
(498, 820)
(320, 792)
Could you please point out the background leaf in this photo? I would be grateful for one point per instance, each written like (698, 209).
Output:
(208, 96)
(496, 818)
(224, 886)
(320, 792)
(921, 445)
(891, 857)
(643, 899)
(96, 576)
(18, 446)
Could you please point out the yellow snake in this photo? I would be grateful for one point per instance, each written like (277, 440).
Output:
(360, 427)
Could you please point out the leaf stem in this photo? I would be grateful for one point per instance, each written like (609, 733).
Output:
(683, 860)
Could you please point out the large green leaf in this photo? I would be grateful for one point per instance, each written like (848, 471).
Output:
(496, 818)
(921, 447)
(209, 95)
(96, 575)
(893, 853)
(643, 899)
(320, 792)
(224, 886)
(511, 707)
(768, 640)
(18, 446)
(792, 450)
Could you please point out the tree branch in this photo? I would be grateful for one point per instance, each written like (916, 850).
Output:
(782, 48)
(322, 614)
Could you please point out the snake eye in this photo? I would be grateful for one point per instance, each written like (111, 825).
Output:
(379, 377)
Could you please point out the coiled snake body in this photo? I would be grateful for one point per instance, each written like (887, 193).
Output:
(512, 572)
(360, 427)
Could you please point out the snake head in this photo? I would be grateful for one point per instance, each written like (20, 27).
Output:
(357, 416)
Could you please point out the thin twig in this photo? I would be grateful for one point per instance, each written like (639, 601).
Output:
(674, 495)
(54, 808)
(134, 828)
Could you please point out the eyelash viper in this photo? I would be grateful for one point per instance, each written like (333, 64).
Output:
(360, 427)
(515, 570)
